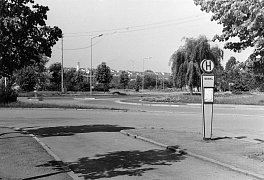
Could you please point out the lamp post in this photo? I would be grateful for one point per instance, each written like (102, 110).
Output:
(144, 72)
(62, 71)
(92, 62)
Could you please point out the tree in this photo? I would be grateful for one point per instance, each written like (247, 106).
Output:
(231, 64)
(115, 82)
(186, 61)
(103, 75)
(28, 78)
(149, 79)
(177, 59)
(124, 79)
(242, 19)
(74, 80)
(55, 80)
(25, 37)
(34, 77)
(138, 83)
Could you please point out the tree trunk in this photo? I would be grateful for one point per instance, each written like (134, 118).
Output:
(191, 90)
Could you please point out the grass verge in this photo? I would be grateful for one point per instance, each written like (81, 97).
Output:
(20, 104)
(220, 98)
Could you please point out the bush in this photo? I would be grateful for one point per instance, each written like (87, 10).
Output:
(261, 88)
(101, 87)
(7, 96)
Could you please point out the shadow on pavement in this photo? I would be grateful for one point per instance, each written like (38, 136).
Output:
(71, 130)
(44, 175)
(120, 163)
(220, 138)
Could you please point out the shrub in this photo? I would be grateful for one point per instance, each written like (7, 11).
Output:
(8, 95)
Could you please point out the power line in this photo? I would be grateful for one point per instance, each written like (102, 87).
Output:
(133, 28)
(86, 47)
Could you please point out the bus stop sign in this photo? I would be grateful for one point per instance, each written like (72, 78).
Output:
(207, 66)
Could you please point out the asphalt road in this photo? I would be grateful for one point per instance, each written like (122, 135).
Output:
(228, 120)
(90, 143)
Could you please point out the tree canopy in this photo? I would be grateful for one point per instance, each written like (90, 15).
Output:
(103, 74)
(25, 37)
(186, 61)
(124, 79)
(242, 19)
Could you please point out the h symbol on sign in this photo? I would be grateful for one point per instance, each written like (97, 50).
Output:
(208, 65)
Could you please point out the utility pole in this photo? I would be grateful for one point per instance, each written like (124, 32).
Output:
(144, 73)
(62, 82)
(91, 73)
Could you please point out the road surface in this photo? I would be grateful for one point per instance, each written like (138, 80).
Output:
(89, 141)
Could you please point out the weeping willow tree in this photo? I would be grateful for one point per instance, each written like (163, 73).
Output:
(185, 62)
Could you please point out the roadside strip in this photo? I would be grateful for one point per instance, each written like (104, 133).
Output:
(48, 150)
(195, 105)
(188, 153)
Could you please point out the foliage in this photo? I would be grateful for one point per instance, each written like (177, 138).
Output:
(115, 82)
(103, 74)
(138, 83)
(33, 77)
(28, 78)
(25, 37)
(75, 81)
(242, 19)
(55, 80)
(7, 95)
(231, 63)
(186, 61)
(238, 77)
(124, 79)
(26, 40)
(149, 80)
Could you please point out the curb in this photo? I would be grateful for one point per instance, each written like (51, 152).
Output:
(48, 150)
(196, 105)
(172, 148)
(210, 160)
(147, 104)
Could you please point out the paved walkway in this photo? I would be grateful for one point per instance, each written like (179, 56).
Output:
(22, 157)
(230, 152)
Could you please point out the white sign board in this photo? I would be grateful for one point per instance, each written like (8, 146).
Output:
(207, 66)
(208, 95)
(208, 81)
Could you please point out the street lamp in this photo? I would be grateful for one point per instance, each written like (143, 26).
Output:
(92, 62)
(144, 72)
(62, 71)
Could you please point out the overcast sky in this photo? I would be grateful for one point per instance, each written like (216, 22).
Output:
(132, 30)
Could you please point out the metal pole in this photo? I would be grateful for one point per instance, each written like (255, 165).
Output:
(143, 77)
(91, 67)
(62, 71)
(91, 73)
(144, 72)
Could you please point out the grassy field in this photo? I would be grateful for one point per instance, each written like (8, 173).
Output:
(148, 96)
(220, 98)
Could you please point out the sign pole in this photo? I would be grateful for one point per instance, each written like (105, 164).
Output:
(207, 89)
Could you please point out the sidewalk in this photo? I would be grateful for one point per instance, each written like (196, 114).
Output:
(22, 157)
(232, 153)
